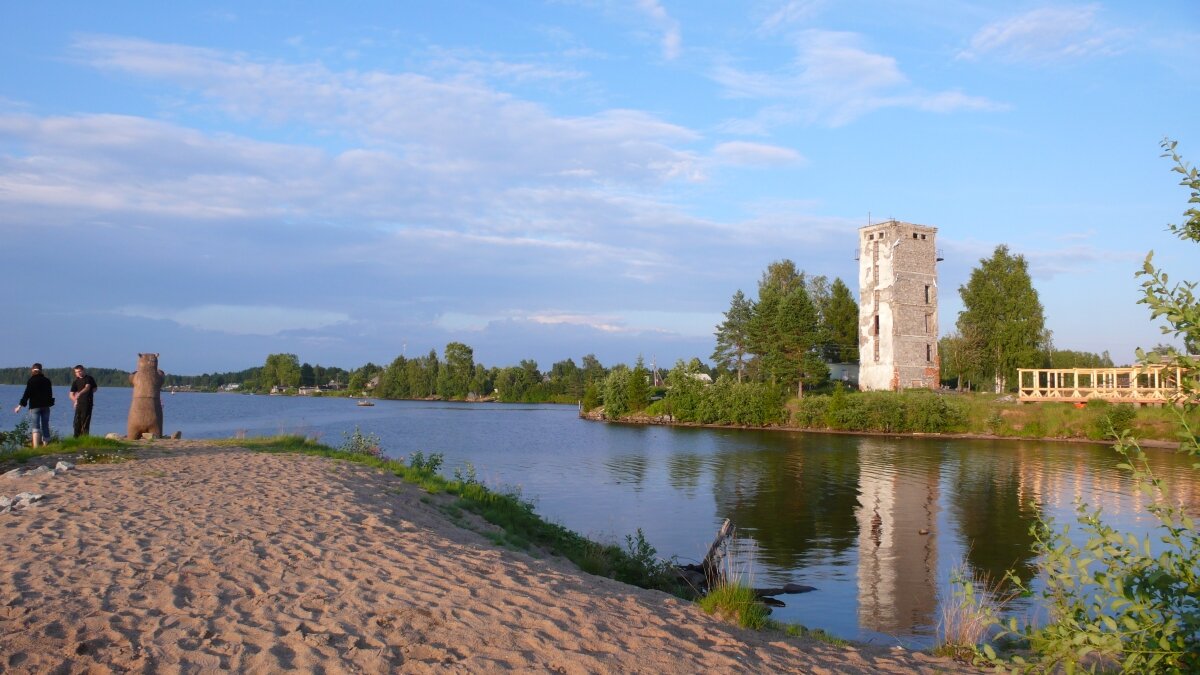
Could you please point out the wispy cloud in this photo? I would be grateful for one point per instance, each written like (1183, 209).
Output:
(672, 37)
(1046, 34)
(742, 153)
(240, 319)
(834, 80)
(789, 14)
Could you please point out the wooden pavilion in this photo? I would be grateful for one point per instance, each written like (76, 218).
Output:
(1156, 384)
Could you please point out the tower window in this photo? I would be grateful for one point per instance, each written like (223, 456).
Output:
(914, 235)
(877, 324)
(928, 322)
(929, 353)
(927, 294)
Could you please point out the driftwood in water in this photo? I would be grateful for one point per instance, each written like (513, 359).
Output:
(702, 578)
(711, 565)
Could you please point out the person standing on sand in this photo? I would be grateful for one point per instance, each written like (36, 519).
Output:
(39, 396)
(82, 390)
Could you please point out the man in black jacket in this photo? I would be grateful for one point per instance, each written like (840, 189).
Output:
(39, 396)
(82, 389)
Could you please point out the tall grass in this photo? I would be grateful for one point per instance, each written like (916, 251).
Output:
(970, 612)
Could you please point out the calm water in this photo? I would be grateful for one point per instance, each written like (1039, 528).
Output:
(876, 524)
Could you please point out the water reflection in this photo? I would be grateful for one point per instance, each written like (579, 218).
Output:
(684, 471)
(798, 502)
(994, 502)
(897, 519)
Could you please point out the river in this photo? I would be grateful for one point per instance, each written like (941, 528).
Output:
(875, 523)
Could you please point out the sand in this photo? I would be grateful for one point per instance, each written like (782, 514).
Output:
(194, 558)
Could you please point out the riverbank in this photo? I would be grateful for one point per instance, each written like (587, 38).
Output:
(662, 420)
(197, 556)
(917, 414)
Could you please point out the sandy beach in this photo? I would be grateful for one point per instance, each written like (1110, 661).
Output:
(194, 558)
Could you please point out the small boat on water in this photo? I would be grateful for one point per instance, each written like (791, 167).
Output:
(365, 403)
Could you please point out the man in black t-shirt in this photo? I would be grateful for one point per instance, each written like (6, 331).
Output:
(82, 390)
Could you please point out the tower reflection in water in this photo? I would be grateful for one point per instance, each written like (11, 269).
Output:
(897, 540)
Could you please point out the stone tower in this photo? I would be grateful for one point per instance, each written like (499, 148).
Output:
(897, 319)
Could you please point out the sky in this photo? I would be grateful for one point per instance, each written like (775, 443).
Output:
(543, 180)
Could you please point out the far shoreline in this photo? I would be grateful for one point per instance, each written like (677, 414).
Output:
(649, 421)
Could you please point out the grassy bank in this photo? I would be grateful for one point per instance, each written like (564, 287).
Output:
(912, 412)
(983, 414)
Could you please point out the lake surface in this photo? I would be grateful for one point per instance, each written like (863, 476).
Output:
(875, 523)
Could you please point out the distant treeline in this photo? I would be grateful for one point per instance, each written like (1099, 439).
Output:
(115, 377)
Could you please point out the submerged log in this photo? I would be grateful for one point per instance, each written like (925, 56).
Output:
(710, 573)
(711, 563)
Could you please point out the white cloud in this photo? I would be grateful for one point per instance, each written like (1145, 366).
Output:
(672, 38)
(742, 153)
(790, 13)
(834, 80)
(240, 319)
(1046, 34)
(454, 124)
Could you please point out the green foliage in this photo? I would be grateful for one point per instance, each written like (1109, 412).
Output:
(362, 444)
(423, 464)
(280, 370)
(454, 380)
(640, 565)
(637, 387)
(732, 350)
(1003, 315)
(882, 411)
(591, 396)
(18, 438)
(616, 393)
(736, 603)
(840, 316)
(724, 402)
(1115, 599)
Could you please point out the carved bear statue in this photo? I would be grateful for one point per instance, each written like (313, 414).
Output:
(145, 410)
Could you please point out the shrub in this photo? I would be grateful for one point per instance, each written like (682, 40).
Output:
(359, 443)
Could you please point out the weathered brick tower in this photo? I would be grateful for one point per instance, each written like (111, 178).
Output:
(897, 319)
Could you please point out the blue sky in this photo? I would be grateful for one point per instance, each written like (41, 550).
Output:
(544, 180)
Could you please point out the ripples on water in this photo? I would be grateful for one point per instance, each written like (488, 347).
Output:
(875, 523)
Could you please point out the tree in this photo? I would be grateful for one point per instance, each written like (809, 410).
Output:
(308, 376)
(960, 358)
(1112, 599)
(764, 341)
(840, 317)
(1003, 309)
(454, 380)
(280, 370)
(637, 387)
(797, 328)
(733, 336)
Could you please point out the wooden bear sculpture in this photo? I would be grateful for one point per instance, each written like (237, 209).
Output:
(145, 410)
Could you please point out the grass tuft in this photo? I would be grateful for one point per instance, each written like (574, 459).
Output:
(730, 601)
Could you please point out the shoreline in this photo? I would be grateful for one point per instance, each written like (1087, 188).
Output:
(195, 555)
(648, 421)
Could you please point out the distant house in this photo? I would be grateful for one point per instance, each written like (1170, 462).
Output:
(232, 386)
(308, 391)
(702, 377)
